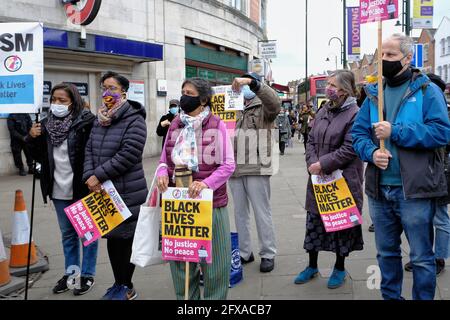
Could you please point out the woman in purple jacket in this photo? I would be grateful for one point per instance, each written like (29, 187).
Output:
(210, 157)
(329, 148)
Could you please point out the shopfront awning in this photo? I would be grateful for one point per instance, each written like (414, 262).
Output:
(98, 44)
(280, 87)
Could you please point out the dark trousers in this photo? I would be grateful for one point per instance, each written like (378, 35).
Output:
(305, 138)
(119, 251)
(16, 149)
(282, 144)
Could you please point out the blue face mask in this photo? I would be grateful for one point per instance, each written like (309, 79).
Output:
(248, 94)
(173, 110)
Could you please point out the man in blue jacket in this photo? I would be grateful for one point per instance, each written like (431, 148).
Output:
(403, 181)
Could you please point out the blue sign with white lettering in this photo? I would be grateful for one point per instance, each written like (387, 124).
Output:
(417, 60)
(18, 89)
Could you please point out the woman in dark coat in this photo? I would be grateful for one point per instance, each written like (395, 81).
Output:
(58, 144)
(330, 148)
(114, 152)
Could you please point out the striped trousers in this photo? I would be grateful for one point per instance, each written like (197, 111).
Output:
(216, 276)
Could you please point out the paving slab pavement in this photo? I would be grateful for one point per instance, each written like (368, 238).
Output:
(289, 215)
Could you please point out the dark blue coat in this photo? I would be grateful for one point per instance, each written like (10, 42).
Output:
(115, 153)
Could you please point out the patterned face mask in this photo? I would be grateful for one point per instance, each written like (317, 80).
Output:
(110, 99)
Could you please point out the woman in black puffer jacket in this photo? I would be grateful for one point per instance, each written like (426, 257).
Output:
(114, 152)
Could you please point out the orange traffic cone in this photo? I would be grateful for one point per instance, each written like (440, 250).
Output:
(5, 278)
(20, 235)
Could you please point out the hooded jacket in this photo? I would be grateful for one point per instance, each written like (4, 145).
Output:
(421, 127)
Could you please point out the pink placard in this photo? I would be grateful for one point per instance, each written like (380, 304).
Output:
(374, 10)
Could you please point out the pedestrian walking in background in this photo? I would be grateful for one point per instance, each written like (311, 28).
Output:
(114, 152)
(19, 124)
(254, 167)
(329, 148)
(284, 130)
(164, 122)
(306, 115)
(194, 126)
(58, 144)
(416, 125)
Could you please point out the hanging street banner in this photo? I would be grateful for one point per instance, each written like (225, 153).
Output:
(21, 67)
(335, 202)
(423, 14)
(225, 103)
(98, 213)
(354, 33)
(268, 50)
(187, 226)
(374, 10)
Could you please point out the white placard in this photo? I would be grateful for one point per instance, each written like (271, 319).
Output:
(21, 67)
(233, 100)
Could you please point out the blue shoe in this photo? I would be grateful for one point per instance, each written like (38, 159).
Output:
(306, 275)
(110, 292)
(124, 293)
(337, 279)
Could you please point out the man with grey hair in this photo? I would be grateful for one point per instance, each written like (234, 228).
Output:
(403, 181)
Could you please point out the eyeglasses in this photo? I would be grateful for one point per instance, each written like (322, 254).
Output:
(112, 88)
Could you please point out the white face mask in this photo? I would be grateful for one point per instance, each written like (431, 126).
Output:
(59, 110)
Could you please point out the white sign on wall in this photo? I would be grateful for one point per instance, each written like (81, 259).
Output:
(136, 92)
(21, 67)
(268, 50)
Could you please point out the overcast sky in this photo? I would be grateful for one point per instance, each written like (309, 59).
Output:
(286, 24)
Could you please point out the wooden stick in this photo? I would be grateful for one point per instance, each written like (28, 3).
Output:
(380, 78)
(183, 179)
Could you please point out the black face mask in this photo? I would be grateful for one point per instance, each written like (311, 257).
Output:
(392, 68)
(189, 104)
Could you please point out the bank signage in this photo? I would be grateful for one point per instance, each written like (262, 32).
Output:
(21, 67)
(81, 12)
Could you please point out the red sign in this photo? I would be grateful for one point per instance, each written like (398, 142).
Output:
(83, 12)
(374, 10)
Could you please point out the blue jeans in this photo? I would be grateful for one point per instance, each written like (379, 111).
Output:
(391, 215)
(442, 240)
(71, 243)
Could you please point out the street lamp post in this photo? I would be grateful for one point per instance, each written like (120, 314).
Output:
(406, 18)
(306, 51)
(342, 50)
(344, 35)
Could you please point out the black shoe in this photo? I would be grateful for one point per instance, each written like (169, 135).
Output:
(282, 153)
(440, 266)
(409, 267)
(86, 284)
(250, 259)
(22, 172)
(61, 285)
(30, 170)
(372, 228)
(267, 265)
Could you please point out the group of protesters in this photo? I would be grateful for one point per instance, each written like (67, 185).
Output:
(79, 151)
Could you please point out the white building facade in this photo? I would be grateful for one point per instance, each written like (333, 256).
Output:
(156, 44)
(442, 52)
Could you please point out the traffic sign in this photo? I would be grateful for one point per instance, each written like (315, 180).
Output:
(417, 60)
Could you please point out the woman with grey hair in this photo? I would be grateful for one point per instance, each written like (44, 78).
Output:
(329, 148)
(196, 123)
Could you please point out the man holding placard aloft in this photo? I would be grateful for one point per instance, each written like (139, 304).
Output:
(403, 178)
